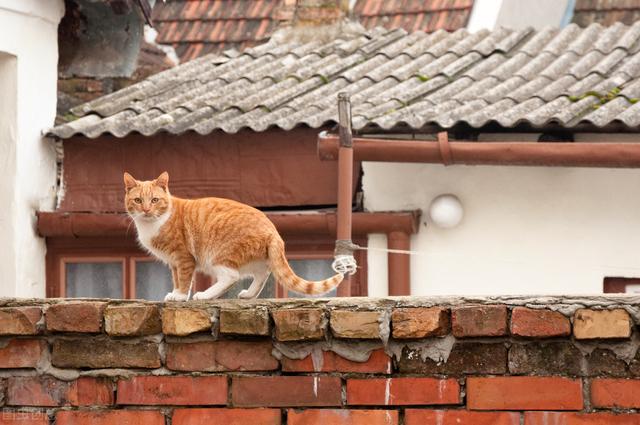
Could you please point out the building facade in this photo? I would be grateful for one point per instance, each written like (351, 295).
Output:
(28, 74)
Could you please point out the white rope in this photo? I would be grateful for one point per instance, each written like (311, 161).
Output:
(344, 264)
(392, 251)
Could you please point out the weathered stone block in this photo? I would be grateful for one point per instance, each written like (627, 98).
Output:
(420, 322)
(481, 320)
(356, 324)
(102, 352)
(132, 320)
(299, 324)
(550, 358)
(253, 321)
(185, 321)
(465, 358)
(80, 316)
(20, 320)
(601, 324)
(603, 362)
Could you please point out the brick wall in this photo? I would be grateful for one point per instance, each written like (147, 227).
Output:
(447, 361)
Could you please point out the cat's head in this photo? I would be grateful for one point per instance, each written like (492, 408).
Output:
(147, 200)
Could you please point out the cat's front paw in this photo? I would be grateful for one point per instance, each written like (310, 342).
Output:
(175, 296)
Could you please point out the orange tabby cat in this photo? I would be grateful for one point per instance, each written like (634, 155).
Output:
(223, 238)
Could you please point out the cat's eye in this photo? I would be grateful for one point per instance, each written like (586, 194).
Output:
(138, 200)
(154, 200)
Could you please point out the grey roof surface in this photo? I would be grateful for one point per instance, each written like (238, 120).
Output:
(504, 77)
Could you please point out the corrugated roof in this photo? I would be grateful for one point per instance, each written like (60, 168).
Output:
(568, 77)
(606, 12)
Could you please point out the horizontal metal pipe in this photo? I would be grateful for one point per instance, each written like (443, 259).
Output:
(599, 154)
(61, 224)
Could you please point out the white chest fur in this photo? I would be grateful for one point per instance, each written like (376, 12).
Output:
(148, 230)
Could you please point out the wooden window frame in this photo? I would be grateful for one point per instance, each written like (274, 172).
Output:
(618, 285)
(63, 250)
(83, 259)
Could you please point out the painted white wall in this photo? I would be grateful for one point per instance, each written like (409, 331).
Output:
(516, 14)
(526, 229)
(28, 69)
(484, 14)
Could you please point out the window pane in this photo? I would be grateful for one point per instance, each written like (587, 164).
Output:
(312, 270)
(308, 269)
(153, 280)
(94, 280)
(269, 290)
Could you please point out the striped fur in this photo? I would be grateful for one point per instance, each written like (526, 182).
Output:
(224, 238)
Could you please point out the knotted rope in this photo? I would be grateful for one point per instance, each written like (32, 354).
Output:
(344, 262)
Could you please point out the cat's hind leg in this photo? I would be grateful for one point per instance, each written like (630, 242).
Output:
(260, 278)
(181, 275)
(227, 277)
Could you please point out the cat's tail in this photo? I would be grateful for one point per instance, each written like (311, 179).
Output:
(287, 278)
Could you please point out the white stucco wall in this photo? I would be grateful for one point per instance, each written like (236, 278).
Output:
(28, 69)
(526, 229)
(517, 14)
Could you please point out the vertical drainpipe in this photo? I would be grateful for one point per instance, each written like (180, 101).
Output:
(345, 180)
(399, 264)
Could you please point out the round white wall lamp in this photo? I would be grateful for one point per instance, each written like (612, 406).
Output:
(446, 211)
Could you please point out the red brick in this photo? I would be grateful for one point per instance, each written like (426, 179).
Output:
(110, 417)
(402, 391)
(226, 417)
(20, 320)
(19, 353)
(531, 322)
(379, 362)
(173, 390)
(561, 418)
(286, 391)
(23, 418)
(75, 317)
(218, 356)
(524, 393)
(342, 417)
(620, 393)
(459, 417)
(482, 320)
(46, 391)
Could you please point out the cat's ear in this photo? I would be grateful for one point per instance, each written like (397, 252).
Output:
(129, 181)
(163, 180)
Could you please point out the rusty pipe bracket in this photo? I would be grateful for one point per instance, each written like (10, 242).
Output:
(445, 148)
(344, 120)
